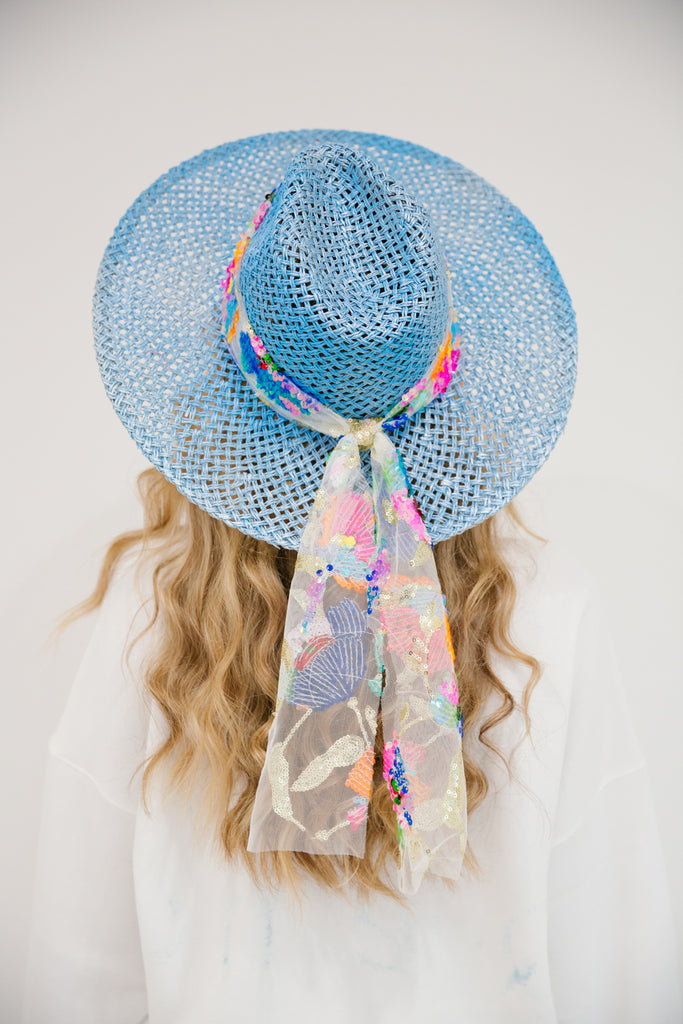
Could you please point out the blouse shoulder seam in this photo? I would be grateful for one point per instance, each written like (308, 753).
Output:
(615, 777)
(85, 774)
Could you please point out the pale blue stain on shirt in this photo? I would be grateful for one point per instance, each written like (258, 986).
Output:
(521, 977)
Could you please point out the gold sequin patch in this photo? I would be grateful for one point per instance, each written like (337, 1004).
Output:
(452, 807)
(422, 552)
(344, 752)
(389, 512)
(310, 563)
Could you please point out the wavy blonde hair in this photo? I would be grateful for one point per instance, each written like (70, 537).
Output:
(220, 599)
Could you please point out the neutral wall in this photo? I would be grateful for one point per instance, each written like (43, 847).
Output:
(572, 109)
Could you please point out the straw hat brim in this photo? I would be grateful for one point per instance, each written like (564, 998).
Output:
(168, 374)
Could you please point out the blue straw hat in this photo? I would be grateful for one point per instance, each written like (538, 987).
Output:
(345, 283)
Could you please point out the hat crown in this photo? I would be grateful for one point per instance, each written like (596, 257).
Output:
(345, 283)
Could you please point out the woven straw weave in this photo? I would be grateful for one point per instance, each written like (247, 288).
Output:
(349, 311)
(347, 283)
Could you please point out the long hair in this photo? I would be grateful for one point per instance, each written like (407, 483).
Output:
(219, 604)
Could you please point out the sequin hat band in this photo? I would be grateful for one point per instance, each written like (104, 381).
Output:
(366, 620)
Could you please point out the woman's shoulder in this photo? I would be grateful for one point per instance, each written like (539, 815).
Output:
(555, 590)
(103, 730)
(132, 580)
(543, 561)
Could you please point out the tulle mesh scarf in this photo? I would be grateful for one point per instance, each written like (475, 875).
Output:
(366, 621)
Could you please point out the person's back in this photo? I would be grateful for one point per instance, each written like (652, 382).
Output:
(299, 807)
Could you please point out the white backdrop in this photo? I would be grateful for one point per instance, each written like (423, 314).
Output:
(571, 109)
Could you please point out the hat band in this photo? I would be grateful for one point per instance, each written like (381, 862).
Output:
(365, 620)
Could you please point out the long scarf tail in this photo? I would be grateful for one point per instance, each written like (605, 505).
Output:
(366, 619)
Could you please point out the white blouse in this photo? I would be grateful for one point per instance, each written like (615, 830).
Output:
(568, 919)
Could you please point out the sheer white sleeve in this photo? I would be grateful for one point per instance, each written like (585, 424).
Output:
(611, 941)
(85, 961)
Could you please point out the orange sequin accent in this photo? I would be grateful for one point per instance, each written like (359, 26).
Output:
(360, 776)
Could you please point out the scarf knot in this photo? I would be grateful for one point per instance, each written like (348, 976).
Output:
(364, 431)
